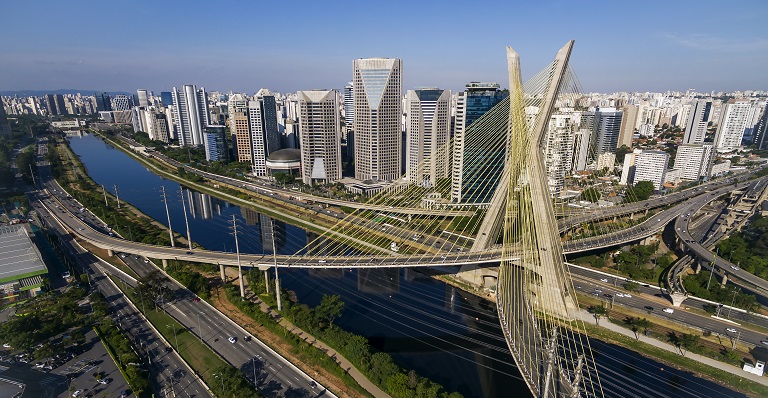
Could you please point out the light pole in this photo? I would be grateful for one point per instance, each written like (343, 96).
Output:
(732, 301)
(175, 337)
(738, 335)
(199, 329)
(117, 195)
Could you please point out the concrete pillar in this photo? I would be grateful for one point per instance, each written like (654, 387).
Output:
(677, 299)
(697, 267)
(110, 253)
(165, 263)
(223, 274)
(724, 279)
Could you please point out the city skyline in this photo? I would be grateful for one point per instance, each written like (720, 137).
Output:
(666, 50)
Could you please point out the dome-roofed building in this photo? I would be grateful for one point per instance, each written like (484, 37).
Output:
(286, 160)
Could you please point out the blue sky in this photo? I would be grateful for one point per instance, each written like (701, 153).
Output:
(297, 45)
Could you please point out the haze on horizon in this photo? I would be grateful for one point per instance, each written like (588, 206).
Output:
(242, 46)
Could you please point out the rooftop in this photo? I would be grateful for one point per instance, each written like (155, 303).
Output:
(19, 257)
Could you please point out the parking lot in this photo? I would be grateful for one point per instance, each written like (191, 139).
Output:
(67, 374)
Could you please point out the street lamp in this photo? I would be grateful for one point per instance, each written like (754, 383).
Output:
(175, 337)
(199, 329)
(732, 301)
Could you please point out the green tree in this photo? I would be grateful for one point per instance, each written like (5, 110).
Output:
(330, 308)
(284, 179)
(598, 311)
(687, 342)
(632, 286)
(590, 195)
(639, 192)
(621, 152)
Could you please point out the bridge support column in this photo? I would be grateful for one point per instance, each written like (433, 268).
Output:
(677, 299)
(110, 253)
(266, 280)
(223, 274)
(697, 267)
(724, 280)
(165, 263)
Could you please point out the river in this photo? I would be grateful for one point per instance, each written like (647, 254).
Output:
(450, 336)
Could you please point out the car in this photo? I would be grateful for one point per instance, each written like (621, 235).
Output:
(190, 253)
(104, 381)
(65, 275)
(77, 393)
(598, 291)
(619, 294)
(668, 310)
(764, 342)
(122, 255)
(731, 330)
(607, 295)
(604, 280)
(81, 229)
(321, 261)
(232, 339)
(247, 338)
(627, 295)
(312, 384)
(734, 267)
(146, 261)
(596, 294)
(6, 345)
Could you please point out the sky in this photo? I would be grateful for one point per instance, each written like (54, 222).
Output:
(242, 46)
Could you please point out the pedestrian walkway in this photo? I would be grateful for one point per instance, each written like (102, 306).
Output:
(343, 362)
(587, 317)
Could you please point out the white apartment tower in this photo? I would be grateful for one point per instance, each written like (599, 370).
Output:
(651, 166)
(191, 113)
(696, 128)
(428, 129)
(320, 136)
(733, 121)
(558, 149)
(694, 161)
(378, 111)
(143, 97)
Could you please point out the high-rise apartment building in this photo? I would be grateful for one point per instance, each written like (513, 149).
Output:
(558, 149)
(378, 113)
(733, 122)
(239, 127)
(61, 106)
(50, 104)
(605, 124)
(694, 161)
(696, 127)
(627, 129)
(761, 130)
(265, 137)
(190, 106)
(143, 97)
(428, 129)
(320, 139)
(121, 103)
(651, 166)
(477, 99)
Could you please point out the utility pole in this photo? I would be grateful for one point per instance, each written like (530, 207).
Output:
(167, 214)
(105, 196)
(32, 174)
(239, 266)
(117, 195)
(186, 220)
(277, 277)
(712, 271)
(738, 335)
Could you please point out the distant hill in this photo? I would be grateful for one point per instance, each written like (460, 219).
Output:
(38, 93)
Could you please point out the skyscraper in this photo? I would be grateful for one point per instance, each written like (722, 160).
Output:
(121, 103)
(605, 125)
(733, 121)
(50, 104)
(61, 107)
(349, 105)
(428, 129)
(103, 102)
(215, 143)
(558, 149)
(320, 140)
(696, 128)
(239, 128)
(761, 130)
(694, 161)
(143, 97)
(378, 113)
(265, 137)
(191, 109)
(472, 103)
(651, 166)
(627, 129)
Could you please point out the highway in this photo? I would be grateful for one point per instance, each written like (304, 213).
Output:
(168, 373)
(705, 255)
(273, 373)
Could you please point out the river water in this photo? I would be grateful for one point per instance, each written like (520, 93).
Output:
(441, 332)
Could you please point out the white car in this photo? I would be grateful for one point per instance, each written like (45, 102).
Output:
(604, 280)
(619, 294)
(321, 261)
(734, 267)
(232, 339)
(668, 310)
(77, 393)
(731, 330)
(627, 295)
